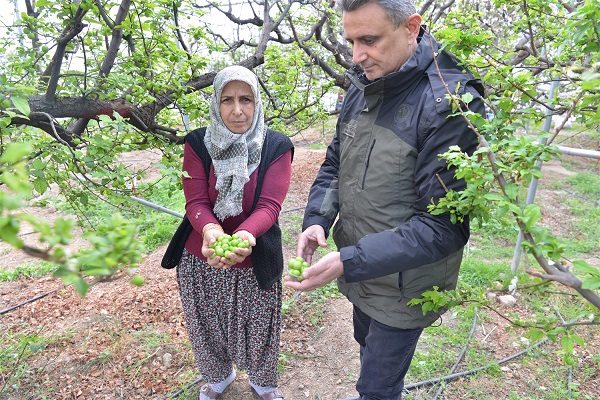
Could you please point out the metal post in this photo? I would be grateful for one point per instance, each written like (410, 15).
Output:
(156, 206)
(534, 182)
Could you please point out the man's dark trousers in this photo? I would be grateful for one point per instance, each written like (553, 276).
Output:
(385, 355)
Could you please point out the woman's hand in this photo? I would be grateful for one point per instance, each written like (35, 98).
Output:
(242, 252)
(214, 260)
(211, 233)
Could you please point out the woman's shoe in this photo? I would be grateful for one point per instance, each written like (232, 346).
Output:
(209, 392)
(273, 395)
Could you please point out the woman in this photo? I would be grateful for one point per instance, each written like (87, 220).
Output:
(237, 174)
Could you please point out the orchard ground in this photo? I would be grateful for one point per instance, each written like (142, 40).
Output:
(127, 342)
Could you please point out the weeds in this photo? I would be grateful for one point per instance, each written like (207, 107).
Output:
(30, 270)
(21, 360)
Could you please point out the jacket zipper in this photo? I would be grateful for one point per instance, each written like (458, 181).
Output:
(367, 164)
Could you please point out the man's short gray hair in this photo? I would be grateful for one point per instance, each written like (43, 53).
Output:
(397, 11)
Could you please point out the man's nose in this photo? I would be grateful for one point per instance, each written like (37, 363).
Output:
(358, 54)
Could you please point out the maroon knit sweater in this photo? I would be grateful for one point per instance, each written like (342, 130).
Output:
(201, 195)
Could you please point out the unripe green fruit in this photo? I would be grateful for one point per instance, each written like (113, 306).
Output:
(296, 267)
(137, 280)
(226, 245)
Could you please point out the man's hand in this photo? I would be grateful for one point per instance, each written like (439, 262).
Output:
(328, 268)
(309, 240)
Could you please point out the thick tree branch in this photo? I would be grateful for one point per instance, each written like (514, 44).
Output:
(561, 275)
(52, 73)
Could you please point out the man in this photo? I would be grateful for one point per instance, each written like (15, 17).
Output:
(380, 174)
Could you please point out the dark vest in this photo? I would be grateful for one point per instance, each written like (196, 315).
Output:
(267, 255)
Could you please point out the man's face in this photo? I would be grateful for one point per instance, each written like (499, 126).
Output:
(377, 46)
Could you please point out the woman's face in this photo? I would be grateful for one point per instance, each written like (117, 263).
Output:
(237, 106)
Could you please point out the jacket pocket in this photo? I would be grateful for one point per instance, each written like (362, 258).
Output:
(443, 274)
(367, 160)
(385, 286)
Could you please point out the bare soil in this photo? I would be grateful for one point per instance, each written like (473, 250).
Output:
(111, 344)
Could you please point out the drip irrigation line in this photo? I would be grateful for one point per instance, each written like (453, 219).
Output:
(26, 234)
(27, 301)
(451, 377)
(460, 356)
(176, 394)
(41, 296)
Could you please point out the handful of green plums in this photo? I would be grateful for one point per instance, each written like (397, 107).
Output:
(296, 267)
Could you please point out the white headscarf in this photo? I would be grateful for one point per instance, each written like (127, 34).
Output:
(234, 156)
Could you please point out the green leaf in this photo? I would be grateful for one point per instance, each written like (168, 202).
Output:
(569, 360)
(35, 347)
(9, 228)
(467, 97)
(15, 151)
(38, 164)
(512, 191)
(535, 335)
(15, 183)
(40, 185)
(586, 268)
(531, 215)
(567, 344)
(81, 286)
(592, 283)
(494, 196)
(83, 198)
(21, 104)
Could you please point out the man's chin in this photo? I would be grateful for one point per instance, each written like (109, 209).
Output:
(373, 74)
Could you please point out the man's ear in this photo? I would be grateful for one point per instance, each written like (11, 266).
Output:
(414, 25)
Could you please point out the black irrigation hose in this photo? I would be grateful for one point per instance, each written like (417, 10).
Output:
(28, 301)
(451, 377)
(460, 356)
(175, 213)
(292, 209)
(176, 394)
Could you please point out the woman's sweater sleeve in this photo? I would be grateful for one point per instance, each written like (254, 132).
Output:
(198, 207)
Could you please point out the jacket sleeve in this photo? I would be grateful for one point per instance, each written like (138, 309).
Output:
(323, 205)
(424, 238)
